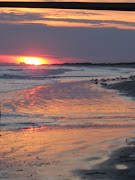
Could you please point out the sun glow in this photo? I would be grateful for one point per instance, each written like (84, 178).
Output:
(33, 60)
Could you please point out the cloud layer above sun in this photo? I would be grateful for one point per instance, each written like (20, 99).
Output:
(69, 18)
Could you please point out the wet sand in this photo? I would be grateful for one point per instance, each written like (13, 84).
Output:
(68, 153)
(120, 165)
(126, 88)
(121, 161)
(57, 153)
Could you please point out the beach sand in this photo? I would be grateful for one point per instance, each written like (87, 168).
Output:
(59, 153)
(65, 153)
(126, 88)
(121, 161)
(120, 165)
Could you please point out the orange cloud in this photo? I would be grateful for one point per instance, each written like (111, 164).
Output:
(69, 18)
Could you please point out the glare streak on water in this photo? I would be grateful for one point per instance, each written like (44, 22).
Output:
(62, 96)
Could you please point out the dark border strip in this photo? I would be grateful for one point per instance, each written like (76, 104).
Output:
(71, 5)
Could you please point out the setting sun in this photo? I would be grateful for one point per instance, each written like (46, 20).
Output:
(33, 60)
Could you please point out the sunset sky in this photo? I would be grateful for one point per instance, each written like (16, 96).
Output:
(59, 36)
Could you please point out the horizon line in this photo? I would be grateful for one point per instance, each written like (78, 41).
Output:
(77, 63)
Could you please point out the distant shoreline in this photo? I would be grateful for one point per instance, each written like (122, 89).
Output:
(122, 64)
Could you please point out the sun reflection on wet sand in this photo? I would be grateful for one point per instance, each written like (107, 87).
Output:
(72, 103)
(64, 99)
(35, 128)
(56, 153)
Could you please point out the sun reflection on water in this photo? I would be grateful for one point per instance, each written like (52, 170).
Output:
(75, 103)
(35, 128)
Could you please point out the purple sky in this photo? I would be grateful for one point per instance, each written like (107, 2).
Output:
(67, 35)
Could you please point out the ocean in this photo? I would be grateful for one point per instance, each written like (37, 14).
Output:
(63, 96)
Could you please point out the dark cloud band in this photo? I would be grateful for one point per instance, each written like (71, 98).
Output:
(72, 5)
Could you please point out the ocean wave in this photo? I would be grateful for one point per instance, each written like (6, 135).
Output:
(14, 69)
(33, 74)
(42, 125)
(9, 76)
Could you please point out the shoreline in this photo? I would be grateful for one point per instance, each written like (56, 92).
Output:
(124, 85)
(70, 98)
(120, 165)
(70, 153)
(126, 88)
(121, 162)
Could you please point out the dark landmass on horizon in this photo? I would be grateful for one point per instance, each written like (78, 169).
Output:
(100, 64)
(123, 64)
